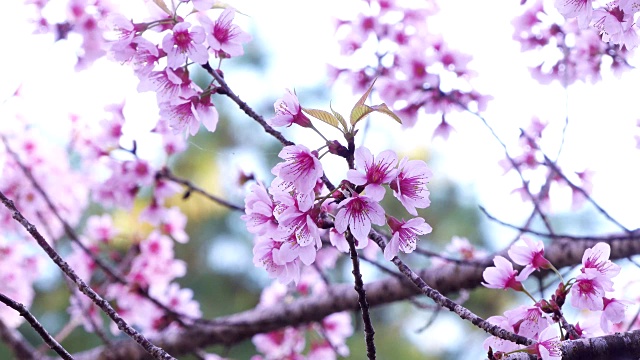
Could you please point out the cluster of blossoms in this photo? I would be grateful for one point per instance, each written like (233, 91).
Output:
(290, 217)
(190, 32)
(588, 293)
(579, 43)
(164, 68)
(417, 71)
(327, 338)
(535, 169)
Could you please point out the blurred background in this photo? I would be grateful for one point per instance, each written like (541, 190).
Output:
(293, 41)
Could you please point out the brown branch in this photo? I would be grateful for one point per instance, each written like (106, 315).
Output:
(447, 278)
(226, 90)
(35, 324)
(449, 304)
(619, 346)
(167, 174)
(369, 332)
(155, 351)
(18, 345)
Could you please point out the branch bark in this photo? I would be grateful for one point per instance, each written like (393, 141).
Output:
(446, 279)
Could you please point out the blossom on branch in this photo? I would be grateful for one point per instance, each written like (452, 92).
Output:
(373, 172)
(405, 235)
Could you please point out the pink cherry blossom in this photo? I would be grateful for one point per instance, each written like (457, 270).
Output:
(502, 276)
(338, 240)
(587, 291)
(410, 185)
(548, 346)
(223, 37)
(299, 223)
(101, 228)
(597, 258)
(185, 41)
(496, 343)
(190, 113)
(527, 321)
(582, 9)
(301, 167)
(531, 256)
(373, 172)
(357, 213)
(288, 111)
(405, 235)
(613, 313)
(259, 209)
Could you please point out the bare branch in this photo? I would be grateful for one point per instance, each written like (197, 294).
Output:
(35, 324)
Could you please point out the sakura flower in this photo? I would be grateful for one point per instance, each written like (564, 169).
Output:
(301, 225)
(266, 253)
(410, 185)
(548, 346)
(301, 167)
(223, 37)
(612, 313)
(189, 113)
(582, 9)
(292, 250)
(597, 258)
(184, 42)
(587, 291)
(496, 343)
(405, 235)
(531, 256)
(502, 276)
(339, 240)
(259, 211)
(358, 212)
(527, 320)
(288, 111)
(101, 228)
(373, 172)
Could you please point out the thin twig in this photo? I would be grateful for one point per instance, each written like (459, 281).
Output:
(362, 299)
(167, 174)
(35, 324)
(226, 90)
(155, 351)
(447, 303)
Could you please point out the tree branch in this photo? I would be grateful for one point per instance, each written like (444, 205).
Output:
(446, 278)
(35, 324)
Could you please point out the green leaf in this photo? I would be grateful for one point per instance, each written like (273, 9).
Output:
(359, 112)
(340, 118)
(383, 108)
(324, 116)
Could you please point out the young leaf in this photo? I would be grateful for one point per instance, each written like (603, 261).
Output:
(359, 112)
(161, 4)
(323, 115)
(383, 108)
(340, 118)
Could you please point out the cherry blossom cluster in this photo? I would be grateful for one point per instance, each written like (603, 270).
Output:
(290, 217)
(152, 265)
(535, 169)
(326, 338)
(417, 71)
(160, 49)
(588, 293)
(578, 45)
(164, 68)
